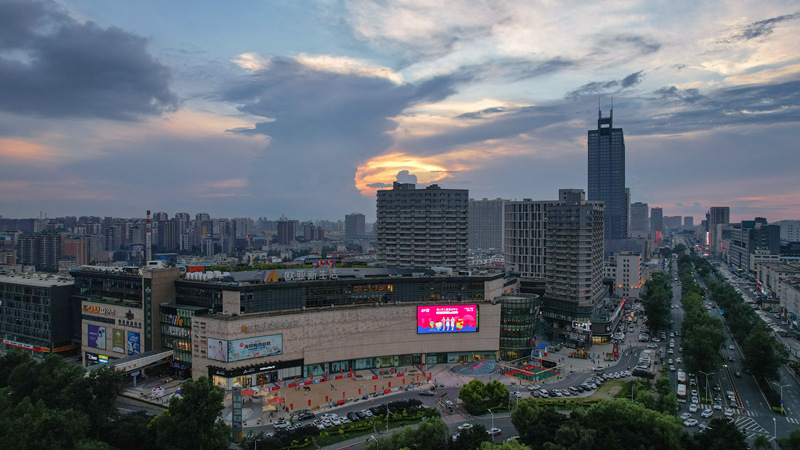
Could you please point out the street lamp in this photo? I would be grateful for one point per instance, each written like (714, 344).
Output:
(785, 385)
(707, 396)
(492, 430)
(775, 431)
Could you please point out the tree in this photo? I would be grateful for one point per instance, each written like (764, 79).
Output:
(790, 442)
(27, 425)
(620, 423)
(536, 425)
(191, 422)
(129, 432)
(472, 394)
(764, 355)
(721, 434)
(762, 442)
(471, 438)
(432, 434)
(506, 445)
(497, 392)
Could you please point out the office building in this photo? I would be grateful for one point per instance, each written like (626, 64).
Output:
(656, 220)
(640, 223)
(354, 226)
(688, 222)
(607, 175)
(486, 224)
(574, 267)
(674, 223)
(754, 241)
(422, 228)
(717, 216)
(627, 271)
(790, 230)
(35, 312)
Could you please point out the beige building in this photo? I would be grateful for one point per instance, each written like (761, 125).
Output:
(770, 275)
(331, 341)
(110, 332)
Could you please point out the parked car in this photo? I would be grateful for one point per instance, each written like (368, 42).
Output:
(493, 431)
(708, 412)
(690, 422)
(305, 416)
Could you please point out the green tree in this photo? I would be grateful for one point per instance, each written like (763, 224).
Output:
(27, 425)
(472, 395)
(496, 392)
(762, 442)
(790, 442)
(9, 362)
(764, 355)
(721, 434)
(536, 425)
(622, 424)
(129, 432)
(432, 434)
(471, 438)
(191, 421)
(505, 445)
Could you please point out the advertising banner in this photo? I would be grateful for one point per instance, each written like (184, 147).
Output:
(256, 347)
(217, 349)
(97, 337)
(133, 343)
(447, 319)
(118, 340)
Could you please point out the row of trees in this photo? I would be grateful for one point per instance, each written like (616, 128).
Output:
(53, 404)
(703, 335)
(657, 301)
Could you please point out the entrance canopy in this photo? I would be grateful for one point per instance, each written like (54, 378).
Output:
(137, 362)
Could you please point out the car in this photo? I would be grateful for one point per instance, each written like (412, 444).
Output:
(353, 417)
(694, 392)
(558, 393)
(336, 421)
(718, 405)
(672, 334)
(717, 387)
(680, 349)
(598, 368)
(672, 368)
(738, 374)
(679, 360)
(518, 394)
(670, 361)
(592, 385)
(367, 412)
(319, 425)
(329, 416)
(731, 347)
(512, 438)
(534, 387)
(464, 426)
(695, 400)
(573, 389)
(728, 413)
(493, 431)
(671, 351)
(361, 414)
(566, 392)
(427, 394)
(731, 359)
(708, 412)
(536, 394)
(685, 416)
(305, 416)
(281, 424)
(703, 425)
(690, 422)
(693, 408)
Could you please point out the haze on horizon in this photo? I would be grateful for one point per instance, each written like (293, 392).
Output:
(305, 109)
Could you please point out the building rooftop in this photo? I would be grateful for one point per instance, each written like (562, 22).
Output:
(38, 279)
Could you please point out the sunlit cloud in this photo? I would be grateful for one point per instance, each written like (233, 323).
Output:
(18, 151)
(322, 63)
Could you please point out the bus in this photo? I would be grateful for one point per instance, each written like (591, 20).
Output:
(681, 393)
(681, 376)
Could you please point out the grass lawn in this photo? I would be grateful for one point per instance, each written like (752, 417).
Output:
(607, 390)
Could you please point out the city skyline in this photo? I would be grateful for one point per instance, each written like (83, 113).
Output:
(111, 109)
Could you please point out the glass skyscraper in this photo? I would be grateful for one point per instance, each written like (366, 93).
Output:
(607, 175)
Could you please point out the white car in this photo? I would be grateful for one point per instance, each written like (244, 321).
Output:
(690, 422)
(728, 413)
(692, 408)
(464, 426)
(708, 412)
(685, 416)
(493, 431)
(718, 406)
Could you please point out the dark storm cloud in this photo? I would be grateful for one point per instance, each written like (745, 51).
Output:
(763, 28)
(405, 176)
(53, 66)
(606, 87)
(734, 106)
(632, 79)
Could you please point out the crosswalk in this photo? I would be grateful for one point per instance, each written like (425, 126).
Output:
(751, 428)
(737, 411)
(793, 420)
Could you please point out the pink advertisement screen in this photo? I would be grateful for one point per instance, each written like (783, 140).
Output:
(447, 319)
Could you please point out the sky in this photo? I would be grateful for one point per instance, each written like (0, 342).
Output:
(305, 109)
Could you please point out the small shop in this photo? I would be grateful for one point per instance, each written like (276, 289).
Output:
(255, 375)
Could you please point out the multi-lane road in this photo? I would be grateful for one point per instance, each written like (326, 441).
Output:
(753, 414)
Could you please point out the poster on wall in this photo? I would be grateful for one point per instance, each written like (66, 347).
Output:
(133, 343)
(447, 319)
(257, 347)
(118, 340)
(97, 337)
(217, 350)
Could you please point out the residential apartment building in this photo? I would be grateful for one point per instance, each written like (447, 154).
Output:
(486, 224)
(422, 228)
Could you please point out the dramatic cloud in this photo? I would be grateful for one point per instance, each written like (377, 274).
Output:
(606, 87)
(53, 66)
(763, 28)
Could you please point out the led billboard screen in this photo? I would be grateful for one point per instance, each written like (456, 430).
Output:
(256, 347)
(447, 319)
